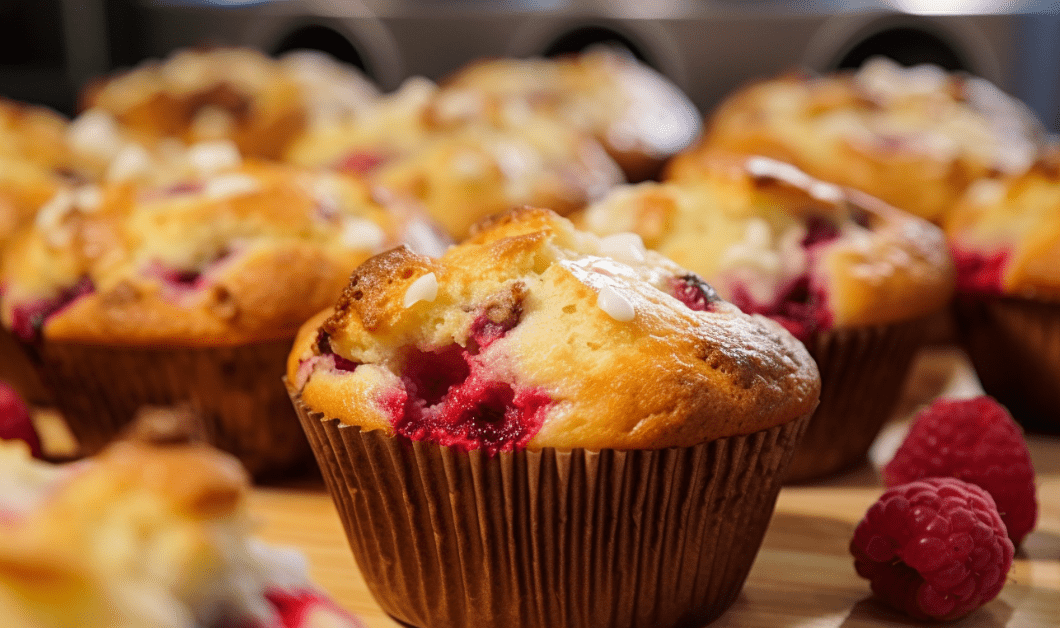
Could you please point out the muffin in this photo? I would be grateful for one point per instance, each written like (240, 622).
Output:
(131, 294)
(227, 93)
(35, 162)
(461, 174)
(154, 532)
(1005, 238)
(913, 137)
(639, 115)
(851, 277)
(525, 432)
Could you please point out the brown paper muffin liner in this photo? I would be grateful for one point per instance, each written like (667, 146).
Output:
(236, 393)
(17, 370)
(1014, 345)
(862, 374)
(623, 539)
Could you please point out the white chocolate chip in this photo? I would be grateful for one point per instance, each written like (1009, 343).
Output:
(363, 234)
(425, 288)
(424, 238)
(95, 132)
(614, 304)
(209, 157)
(623, 247)
(88, 198)
(230, 185)
(131, 162)
(986, 192)
(758, 235)
(825, 192)
(52, 213)
(468, 165)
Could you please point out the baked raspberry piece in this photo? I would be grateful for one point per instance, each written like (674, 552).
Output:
(979, 273)
(975, 440)
(361, 162)
(451, 399)
(15, 421)
(697, 294)
(935, 548)
(305, 609)
(799, 306)
(29, 318)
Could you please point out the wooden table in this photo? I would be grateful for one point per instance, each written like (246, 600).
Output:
(804, 575)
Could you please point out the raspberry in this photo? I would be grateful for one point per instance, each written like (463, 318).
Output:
(695, 293)
(975, 440)
(301, 609)
(15, 421)
(934, 548)
(29, 318)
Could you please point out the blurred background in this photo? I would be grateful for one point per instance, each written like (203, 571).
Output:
(49, 48)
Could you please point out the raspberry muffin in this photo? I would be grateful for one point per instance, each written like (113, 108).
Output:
(1005, 238)
(913, 137)
(851, 277)
(152, 533)
(461, 174)
(638, 114)
(528, 432)
(228, 93)
(35, 162)
(190, 292)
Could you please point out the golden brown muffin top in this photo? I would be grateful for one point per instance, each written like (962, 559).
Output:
(533, 334)
(238, 94)
(35, 161)
(638, 114)
(461, 173)
(778, 242)
(1005, 233)
(914, 137)
(236, 252)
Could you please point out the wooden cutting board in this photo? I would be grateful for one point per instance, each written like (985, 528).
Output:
(803, 577)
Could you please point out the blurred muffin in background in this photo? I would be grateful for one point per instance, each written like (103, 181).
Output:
(463, 173)
(35, 160)
(189, 291)
(154, 532)
(914, 137)
(850, 276)
(640, 116)
(1005, 238)
(239, 94)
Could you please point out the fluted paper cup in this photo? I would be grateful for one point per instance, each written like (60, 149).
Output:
(863, 371)
(1014, 345)
(624, 539)
(235, 392)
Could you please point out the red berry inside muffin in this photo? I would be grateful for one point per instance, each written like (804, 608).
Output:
(451, 399)
(28, 318)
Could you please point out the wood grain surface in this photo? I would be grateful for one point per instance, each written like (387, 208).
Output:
(804, 575)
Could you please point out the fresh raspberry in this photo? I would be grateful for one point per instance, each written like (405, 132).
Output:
(15, 421)
(975, 440)
(934, 548)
